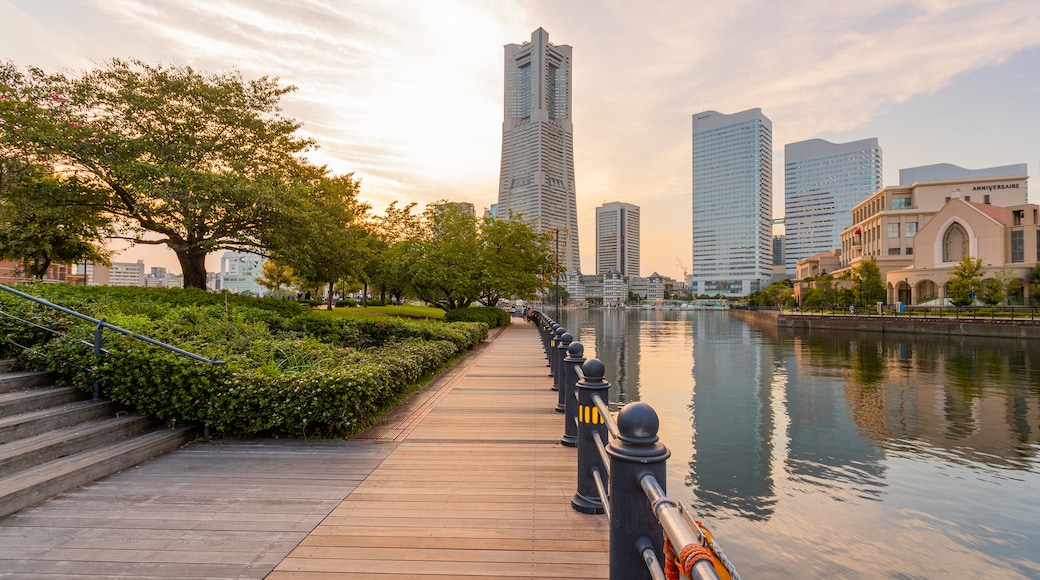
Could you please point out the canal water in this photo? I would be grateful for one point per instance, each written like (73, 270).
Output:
(838, 454)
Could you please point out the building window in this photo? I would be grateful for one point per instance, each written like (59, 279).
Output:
(1018, 249)
(909, 251)
(893, 251)
(985, 199)
(955, 243)
(911, 229)
(893, 230)
(1017, 216)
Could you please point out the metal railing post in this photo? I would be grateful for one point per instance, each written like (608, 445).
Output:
(634, 454)
(561, 375)
(554, 354)
(98, 351)
(575, 358)
(587, 498)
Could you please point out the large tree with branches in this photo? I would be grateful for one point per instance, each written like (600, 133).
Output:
(196, 162)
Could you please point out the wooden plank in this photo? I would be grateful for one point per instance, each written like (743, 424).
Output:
(465, 481)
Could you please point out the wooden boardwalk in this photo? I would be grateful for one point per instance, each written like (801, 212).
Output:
(480, 488)
(467, 480)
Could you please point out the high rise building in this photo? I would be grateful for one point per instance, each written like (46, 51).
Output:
(537, 178)
(822, 182)
(732, 202)
(617, 238)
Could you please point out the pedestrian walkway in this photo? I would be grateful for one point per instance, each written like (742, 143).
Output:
(466, 480)
(479, 488)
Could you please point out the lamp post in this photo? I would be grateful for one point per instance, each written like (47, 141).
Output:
(909, 295)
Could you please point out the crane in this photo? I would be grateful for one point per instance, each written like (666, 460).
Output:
(685, 272)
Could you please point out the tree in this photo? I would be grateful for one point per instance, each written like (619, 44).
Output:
(37, 228)
(868, 287)
(1034, 283)
(446, 267)
(323, 241)
(198, 163)
(966, 282)
(397, 235)
(275, 276)
(515, 259)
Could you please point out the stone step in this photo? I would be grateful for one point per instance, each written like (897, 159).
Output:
(32, 451)
(17, 381)
(7, 364)
(36, 422)
(25, 488)
(15, 402)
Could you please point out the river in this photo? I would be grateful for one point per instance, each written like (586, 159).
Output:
(834, 454)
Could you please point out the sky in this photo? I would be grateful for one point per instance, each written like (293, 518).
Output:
(408, 94)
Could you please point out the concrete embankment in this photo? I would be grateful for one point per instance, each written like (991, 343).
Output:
(890, 323)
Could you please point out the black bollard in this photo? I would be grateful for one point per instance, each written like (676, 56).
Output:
(635, 454)
(587, 499)
(575, 358)
(554, 356)
(561, 374)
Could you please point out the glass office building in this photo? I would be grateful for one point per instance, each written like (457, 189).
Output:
(732, 203)
(822, 183)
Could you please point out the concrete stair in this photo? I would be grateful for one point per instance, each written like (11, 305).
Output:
(54, 438)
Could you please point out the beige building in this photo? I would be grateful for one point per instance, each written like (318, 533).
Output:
(1004, 238)
(885, 225)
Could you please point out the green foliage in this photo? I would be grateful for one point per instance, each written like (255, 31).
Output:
(488, 315)
(779, 294)
(38, 228)
(965, 285)
(290, 371)
(868, 287)
(170, 155)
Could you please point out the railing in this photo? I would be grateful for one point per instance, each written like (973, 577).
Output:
(620, 463)
(100, 325)
(990, 313)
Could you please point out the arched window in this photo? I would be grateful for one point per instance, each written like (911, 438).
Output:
(955, 243)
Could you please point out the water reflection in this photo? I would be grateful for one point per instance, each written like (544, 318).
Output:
(830, 451)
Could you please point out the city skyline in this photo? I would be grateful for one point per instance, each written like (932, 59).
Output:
(408, 94)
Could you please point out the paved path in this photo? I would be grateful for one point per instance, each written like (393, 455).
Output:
(466, 480)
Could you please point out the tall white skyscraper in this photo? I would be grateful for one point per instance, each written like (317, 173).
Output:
(822, 182)
(617, 238)
(537, 178)
(732, 202)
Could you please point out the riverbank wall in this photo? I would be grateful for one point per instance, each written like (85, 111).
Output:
(895, 324)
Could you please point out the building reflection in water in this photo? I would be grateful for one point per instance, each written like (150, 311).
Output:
(732, 418)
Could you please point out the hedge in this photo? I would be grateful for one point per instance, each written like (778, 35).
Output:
(490, 316)
(288, 372)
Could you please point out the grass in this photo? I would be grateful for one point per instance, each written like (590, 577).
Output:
(407, 311)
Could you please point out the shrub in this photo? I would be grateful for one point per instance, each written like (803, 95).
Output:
(289, 371)
(490, 316)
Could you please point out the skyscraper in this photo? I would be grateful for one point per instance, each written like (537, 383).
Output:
(537, 178)
(617, 238)
(732, 202)
(822, 182)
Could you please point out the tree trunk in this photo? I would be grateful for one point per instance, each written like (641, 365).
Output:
(364, 295)
(193, 267)
(332, 288)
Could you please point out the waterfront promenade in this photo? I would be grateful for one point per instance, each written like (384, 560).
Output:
(466, 480)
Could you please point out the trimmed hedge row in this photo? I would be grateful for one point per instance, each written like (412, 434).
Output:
(287, 374)
(490, 316)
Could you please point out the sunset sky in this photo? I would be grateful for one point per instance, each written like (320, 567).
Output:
(408, 94)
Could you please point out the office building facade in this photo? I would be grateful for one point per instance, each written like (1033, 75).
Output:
(822, 183)
(537, 174)
(732, 203)
(617, 238)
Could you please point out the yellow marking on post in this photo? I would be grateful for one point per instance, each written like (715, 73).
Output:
(595, 415)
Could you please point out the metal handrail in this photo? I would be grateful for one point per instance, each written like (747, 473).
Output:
(100, 325)
(622, 487)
